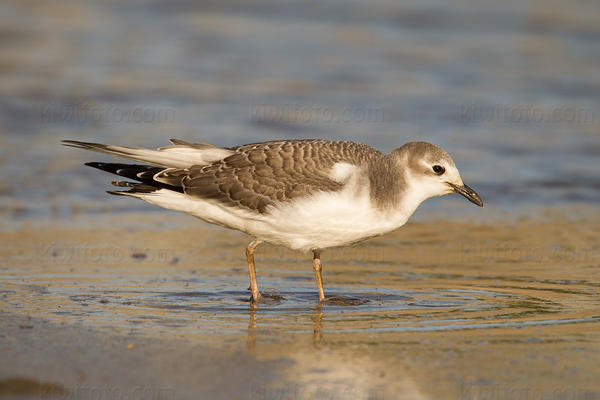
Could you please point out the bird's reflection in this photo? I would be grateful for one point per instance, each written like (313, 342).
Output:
(253, 311)
(317, 322)
(251, 341)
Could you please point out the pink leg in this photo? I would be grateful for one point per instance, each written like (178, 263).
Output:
(251, 269)
(317, 268)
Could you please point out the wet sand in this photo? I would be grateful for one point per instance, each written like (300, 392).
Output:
(441, 309)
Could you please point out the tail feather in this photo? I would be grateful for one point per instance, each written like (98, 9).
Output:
(180, 155)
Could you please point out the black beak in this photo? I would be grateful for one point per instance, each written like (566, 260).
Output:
(469, 193)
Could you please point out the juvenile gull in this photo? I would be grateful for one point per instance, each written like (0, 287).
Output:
(307, 195)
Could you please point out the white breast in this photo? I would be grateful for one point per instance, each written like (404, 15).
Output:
(330, 219)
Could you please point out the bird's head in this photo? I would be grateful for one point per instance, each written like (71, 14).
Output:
(431, 171)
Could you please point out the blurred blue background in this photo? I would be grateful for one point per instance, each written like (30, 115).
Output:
(510, 89)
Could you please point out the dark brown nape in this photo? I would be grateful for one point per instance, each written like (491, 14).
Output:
(386, 181)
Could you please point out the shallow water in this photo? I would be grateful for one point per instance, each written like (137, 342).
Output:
(157, 304)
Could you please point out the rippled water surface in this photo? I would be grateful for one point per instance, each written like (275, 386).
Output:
(164, 306)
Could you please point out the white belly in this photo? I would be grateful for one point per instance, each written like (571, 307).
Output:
(323, 220)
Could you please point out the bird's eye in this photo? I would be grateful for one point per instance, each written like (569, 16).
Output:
(438, 169)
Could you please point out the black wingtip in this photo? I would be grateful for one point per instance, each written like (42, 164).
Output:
(98, 165)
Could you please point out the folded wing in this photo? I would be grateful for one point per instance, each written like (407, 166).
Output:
(253, 177)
